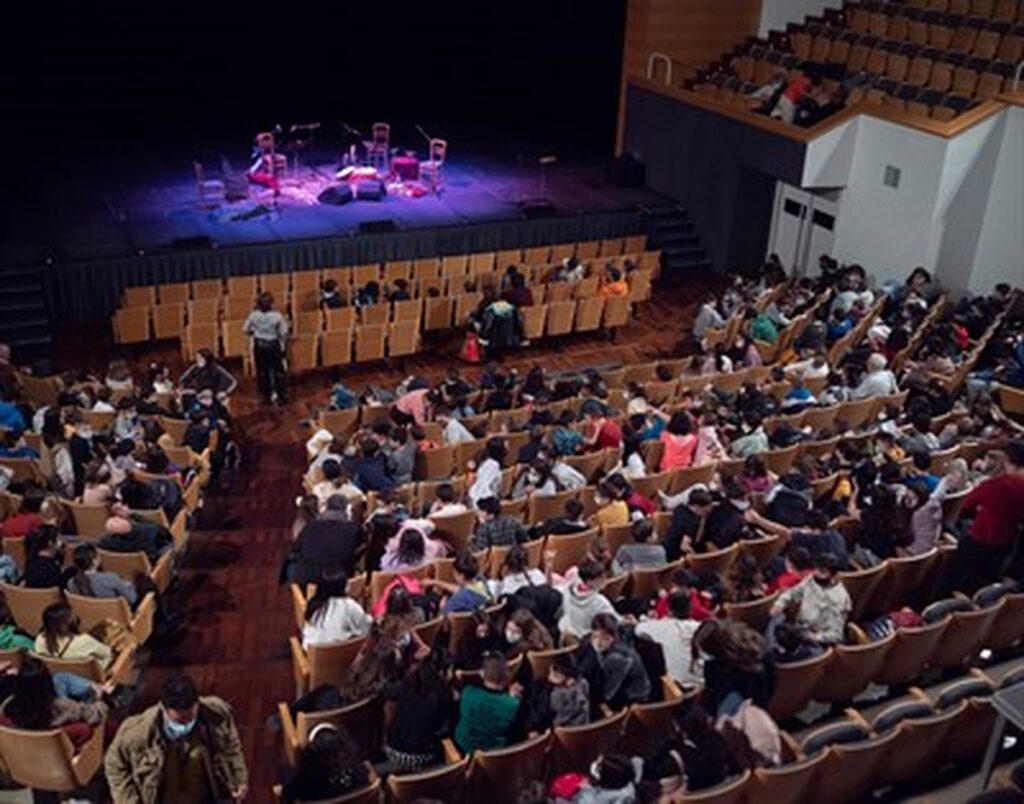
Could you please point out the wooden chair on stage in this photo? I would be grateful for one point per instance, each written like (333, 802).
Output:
(211, 191)
(431, 169)
(378, 149)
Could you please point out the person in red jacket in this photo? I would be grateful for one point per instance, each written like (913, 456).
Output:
(998, 508)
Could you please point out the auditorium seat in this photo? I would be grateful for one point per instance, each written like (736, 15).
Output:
(243, 287)
(302, 352)
(437, 313)
(47, 760)
(851, 669)
(754, 613)
(27, 605)
(321, 664)
(173, 292)
(713, 561)
(403, 339)
(919, 732)
(569, 550)
(796, 683)
(94, 611)
(973, 723)
(408, 311)
(275, 284)
(788, 783)
(131, 325)
(444, 783)
(576, 748)
(965, 635)
(498, 776)
(127, 565)
(360, 719)
(200, 336)
(168, 320)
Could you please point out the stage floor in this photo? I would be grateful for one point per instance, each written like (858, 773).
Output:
(152, 213)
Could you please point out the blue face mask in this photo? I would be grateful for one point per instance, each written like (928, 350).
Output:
(177, 731)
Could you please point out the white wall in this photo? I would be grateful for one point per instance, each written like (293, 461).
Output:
(958, 209)
(776, 14)
(999, 256)
(887, 229)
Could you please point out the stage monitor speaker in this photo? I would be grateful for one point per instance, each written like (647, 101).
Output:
(370, 190)
(377, 227)
(537, 208)
(192, 243)
(339, 194)
(628, 171)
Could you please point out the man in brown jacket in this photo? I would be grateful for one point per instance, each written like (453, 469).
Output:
(184, 749)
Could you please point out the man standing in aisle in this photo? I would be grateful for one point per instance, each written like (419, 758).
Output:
(185, 748)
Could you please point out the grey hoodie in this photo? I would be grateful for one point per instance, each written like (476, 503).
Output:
(580, 602)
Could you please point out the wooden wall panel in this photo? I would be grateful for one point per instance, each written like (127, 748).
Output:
(690, 32)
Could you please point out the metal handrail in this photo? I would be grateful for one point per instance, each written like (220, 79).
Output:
(1017, 76)
(655, 57)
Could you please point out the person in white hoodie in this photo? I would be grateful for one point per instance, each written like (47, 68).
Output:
(582, 599)
(331, 616)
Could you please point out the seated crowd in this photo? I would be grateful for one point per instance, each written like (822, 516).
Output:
(451, 590)
(523, 553)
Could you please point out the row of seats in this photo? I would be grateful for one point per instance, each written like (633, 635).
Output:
(438, 312)
(849, 756)
(928, 62)
(311, 348)
(300, 291)
(1002, 10)
(448, 266)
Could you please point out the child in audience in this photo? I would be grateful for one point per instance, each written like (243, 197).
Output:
(487, 713)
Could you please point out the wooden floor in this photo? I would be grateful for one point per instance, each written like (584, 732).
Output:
(235, 641)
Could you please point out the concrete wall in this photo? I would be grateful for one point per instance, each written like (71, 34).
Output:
(776, 14)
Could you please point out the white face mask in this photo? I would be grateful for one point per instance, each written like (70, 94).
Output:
(513, 635)
(741, 505)
(173, 730)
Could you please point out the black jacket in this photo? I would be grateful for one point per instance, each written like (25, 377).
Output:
(684, 523)
(326, 546)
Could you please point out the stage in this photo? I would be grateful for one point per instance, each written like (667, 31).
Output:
(152, 227)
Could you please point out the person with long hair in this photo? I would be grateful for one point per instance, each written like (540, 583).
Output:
(515, 572)
(525, 633)
(487, 482)
(35, 706)
(206, 374)
(412, 546)
(62, 638)
(269, 332)
(44, 558)
(90, 581)
(680, 442)
(424, 705)
(735, 660)
(328, 767)
(331, 615)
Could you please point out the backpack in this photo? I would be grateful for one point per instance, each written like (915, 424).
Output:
(543, 602)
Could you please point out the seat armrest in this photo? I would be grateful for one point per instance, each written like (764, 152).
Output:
(89, 758)
(290, 733)
(451, 753)
(670, 688)
(300, 667)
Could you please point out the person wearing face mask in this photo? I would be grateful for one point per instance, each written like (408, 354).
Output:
(614, 670)
(185, 748)
(819, 604)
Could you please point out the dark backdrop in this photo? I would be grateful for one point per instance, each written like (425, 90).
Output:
(91, 90)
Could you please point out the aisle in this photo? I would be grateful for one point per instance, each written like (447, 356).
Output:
(235, 643)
